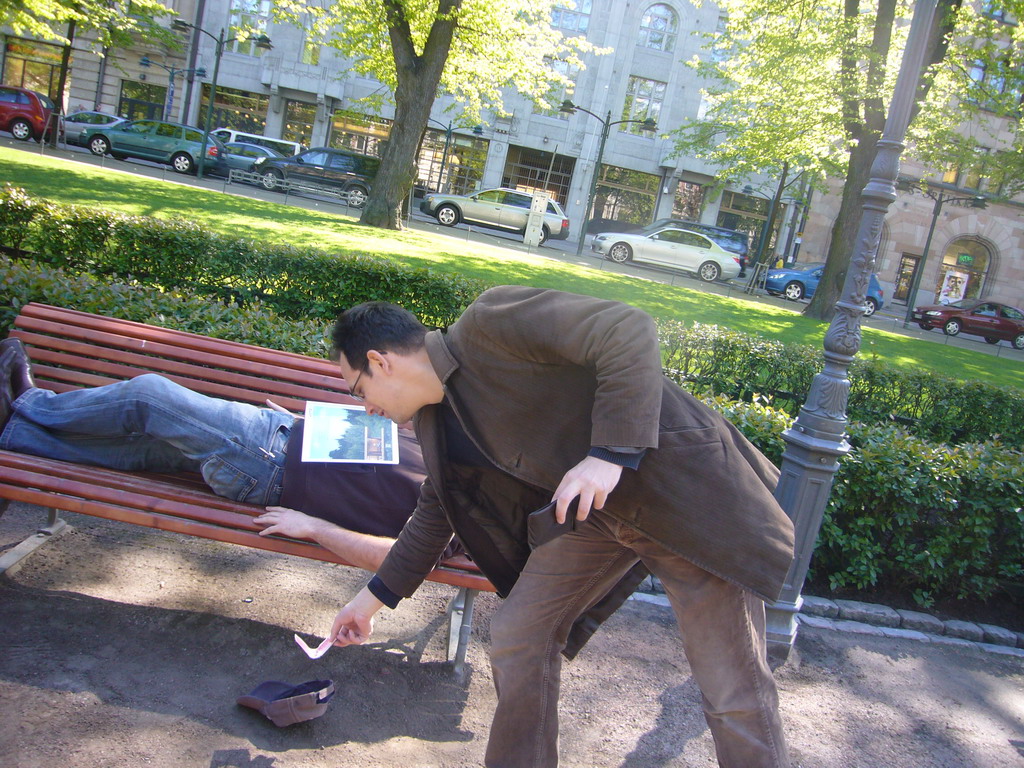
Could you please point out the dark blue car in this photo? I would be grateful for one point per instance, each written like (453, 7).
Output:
(799, 281)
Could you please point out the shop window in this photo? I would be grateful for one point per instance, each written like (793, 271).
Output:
(33, 65)
(299, 117)
(625, 195)
(241, 110)
(533, 170)
(364, 134)
(965, 265)
(141, 101)
(688, 201)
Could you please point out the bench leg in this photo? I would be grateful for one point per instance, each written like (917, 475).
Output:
(460, 625)
(11, 560)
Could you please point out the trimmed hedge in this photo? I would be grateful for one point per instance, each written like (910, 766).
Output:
(927, 519)
(179, 254)
(939, 408)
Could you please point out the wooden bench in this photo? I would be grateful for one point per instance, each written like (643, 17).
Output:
(71, 349)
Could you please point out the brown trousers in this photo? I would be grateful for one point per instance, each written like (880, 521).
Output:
(722, 628)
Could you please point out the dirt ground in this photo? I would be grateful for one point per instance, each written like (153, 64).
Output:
(122, 646)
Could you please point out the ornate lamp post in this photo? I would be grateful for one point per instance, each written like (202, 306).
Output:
(262, 42)
(817, 438)
(606, 123)
(172, 72)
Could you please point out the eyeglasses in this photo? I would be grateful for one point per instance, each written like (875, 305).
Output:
(352, 389)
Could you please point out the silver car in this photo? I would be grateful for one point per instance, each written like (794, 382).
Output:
(78, 125)
(506, 209)
(671, 247)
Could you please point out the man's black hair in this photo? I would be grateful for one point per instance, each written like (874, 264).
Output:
(375, 325)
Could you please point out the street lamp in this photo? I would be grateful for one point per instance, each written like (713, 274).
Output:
(262, 42)
(449, 130)
(606, 123)
(172, 72)
(940, 197)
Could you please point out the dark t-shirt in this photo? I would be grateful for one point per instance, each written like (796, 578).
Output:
(376, 499)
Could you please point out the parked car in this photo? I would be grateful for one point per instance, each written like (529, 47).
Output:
(671, 247)
(243, 156)
(339, 170)
(25, 113)
(78, 125)
(730, 239)
(800, 280)
(284, 147)
(173, 143)
(989, 319)
(506, 209)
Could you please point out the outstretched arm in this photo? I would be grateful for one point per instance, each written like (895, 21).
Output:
(360, 549)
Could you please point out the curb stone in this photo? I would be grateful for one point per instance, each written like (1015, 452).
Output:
(882, 621)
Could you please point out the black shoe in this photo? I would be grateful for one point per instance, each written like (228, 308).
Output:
(21, 372)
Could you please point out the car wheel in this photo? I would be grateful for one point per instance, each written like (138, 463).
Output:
(991, 340)
(709, 271)
(793, 291)
(1018, 341)
(21, 129)
(99, 146)
(620, 253)
(924, 326)
(544, 234)
(183, 163)
(271, 180)
(952, 327)
(870, 307)
(447, 215)
(357, 197)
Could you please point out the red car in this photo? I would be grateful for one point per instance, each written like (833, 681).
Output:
(990, 319)
(25, 113)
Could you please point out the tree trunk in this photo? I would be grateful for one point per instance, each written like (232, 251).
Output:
(866, 135)
(62, 81)
(418, 77)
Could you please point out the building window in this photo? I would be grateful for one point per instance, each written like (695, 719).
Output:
(250, 17)
(571, 16)
(962, 272)
(625, 195)
(558, 93)
(299, 117)
(364, 134)
(32, 65)
(241, 110)
(311, 52)
(995, 85)
(688, 201)
(534, 170)
(973, 179)
(643, 100)
(658, 28)
(454, 166)
(141, 101)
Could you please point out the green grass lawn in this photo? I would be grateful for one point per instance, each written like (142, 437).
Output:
(83, 183)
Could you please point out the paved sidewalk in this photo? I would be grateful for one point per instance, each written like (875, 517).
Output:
(127, 647)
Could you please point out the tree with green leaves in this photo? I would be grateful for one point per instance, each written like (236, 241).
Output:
(471, 50)
(112, 24)
(806, 86)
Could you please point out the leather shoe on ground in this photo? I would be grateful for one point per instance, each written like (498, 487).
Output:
(21, 372)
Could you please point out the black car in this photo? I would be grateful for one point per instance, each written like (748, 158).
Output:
(340, 170)
(731, 240)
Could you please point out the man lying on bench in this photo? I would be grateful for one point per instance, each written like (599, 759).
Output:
(244, 453)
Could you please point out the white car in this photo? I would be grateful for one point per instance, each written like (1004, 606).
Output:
(507, 209)
(671, 247)
(78, 125)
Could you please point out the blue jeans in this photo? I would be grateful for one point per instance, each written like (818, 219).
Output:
(149, 423)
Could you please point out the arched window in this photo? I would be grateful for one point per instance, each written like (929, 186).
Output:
(965, 265)
(658, 28)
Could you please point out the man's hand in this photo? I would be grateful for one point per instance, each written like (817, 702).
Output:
(354, 623)
(592, 480)
(287, 522)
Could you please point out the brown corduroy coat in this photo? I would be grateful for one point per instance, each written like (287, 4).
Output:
(536, 378)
